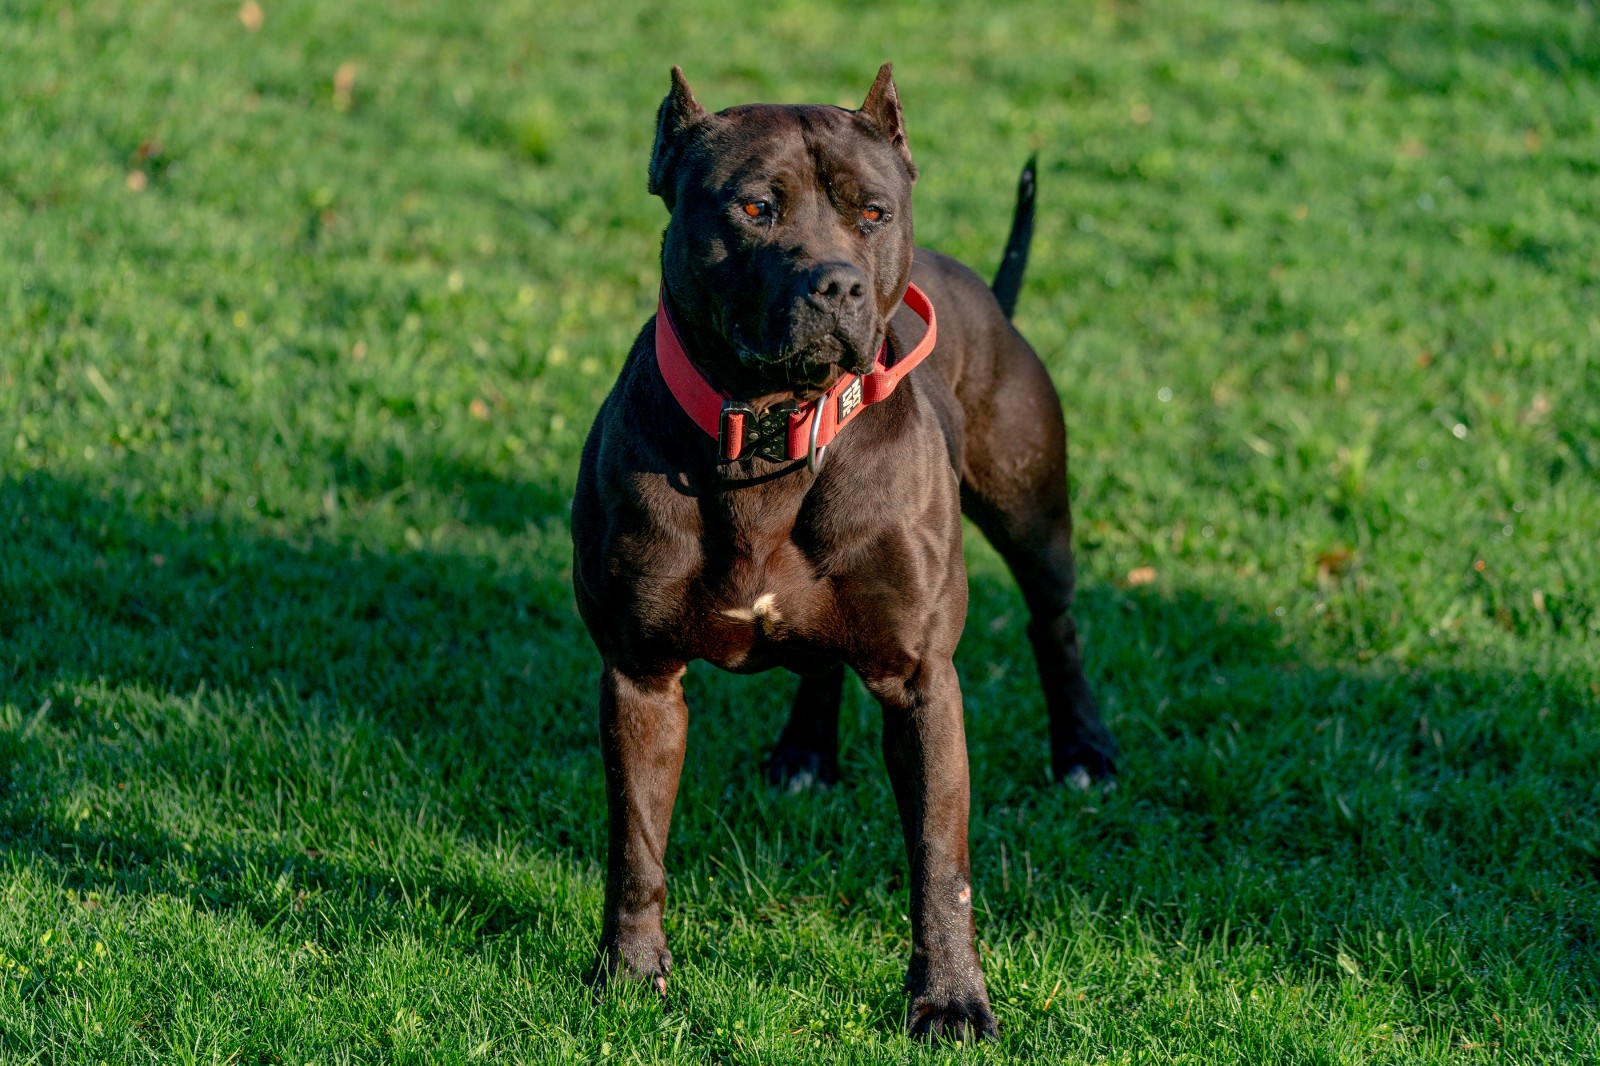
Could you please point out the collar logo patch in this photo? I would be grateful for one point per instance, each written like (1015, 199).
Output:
(849, 400)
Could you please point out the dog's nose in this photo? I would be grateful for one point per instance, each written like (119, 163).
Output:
(839, 284)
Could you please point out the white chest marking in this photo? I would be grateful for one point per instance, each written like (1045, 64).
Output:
(763, 612)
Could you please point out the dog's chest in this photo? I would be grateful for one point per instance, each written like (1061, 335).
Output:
(762, 605)
(786, 574)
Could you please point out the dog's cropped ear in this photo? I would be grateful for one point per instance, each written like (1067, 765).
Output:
(882, 106)
(679, 111)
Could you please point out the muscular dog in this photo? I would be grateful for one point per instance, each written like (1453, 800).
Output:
(777, 480)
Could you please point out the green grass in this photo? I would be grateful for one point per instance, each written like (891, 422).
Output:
(297, 753)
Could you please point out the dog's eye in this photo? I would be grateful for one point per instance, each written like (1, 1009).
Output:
(871, 213)
(758, 209)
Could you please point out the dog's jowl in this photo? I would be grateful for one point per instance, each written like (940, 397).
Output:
(778, 479)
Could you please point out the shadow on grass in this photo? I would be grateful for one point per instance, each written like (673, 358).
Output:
(266, 725)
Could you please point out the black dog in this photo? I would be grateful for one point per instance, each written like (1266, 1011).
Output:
(718, 518)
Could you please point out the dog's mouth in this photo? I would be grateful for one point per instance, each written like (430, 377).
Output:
(807, 363)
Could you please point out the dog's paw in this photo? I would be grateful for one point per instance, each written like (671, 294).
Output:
(646, 961)
(959, 1018)
(948, 1002)
(1085, 768)
(792, 770)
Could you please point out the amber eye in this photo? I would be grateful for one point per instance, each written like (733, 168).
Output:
(871, 213)
(758, 209)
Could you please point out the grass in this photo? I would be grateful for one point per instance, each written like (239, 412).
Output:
(297, 754)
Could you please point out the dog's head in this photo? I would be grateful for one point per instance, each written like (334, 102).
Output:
(790, 239)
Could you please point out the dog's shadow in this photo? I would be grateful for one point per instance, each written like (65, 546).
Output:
(193, 706)
(195, 703)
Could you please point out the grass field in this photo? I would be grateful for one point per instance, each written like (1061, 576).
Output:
(305, 309)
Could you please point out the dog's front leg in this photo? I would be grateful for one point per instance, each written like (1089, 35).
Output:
(925, 748)
(643, 723)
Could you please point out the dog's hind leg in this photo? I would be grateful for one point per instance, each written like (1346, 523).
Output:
(1014, 486)
(807, 754)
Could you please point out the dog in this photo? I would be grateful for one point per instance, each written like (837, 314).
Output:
(777, 479)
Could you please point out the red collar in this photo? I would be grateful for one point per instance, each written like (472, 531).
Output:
(786, 430)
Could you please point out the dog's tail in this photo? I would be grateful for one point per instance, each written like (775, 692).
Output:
(1008, 279)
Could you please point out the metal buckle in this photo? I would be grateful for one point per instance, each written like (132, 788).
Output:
(773, 442)
(765, 436)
